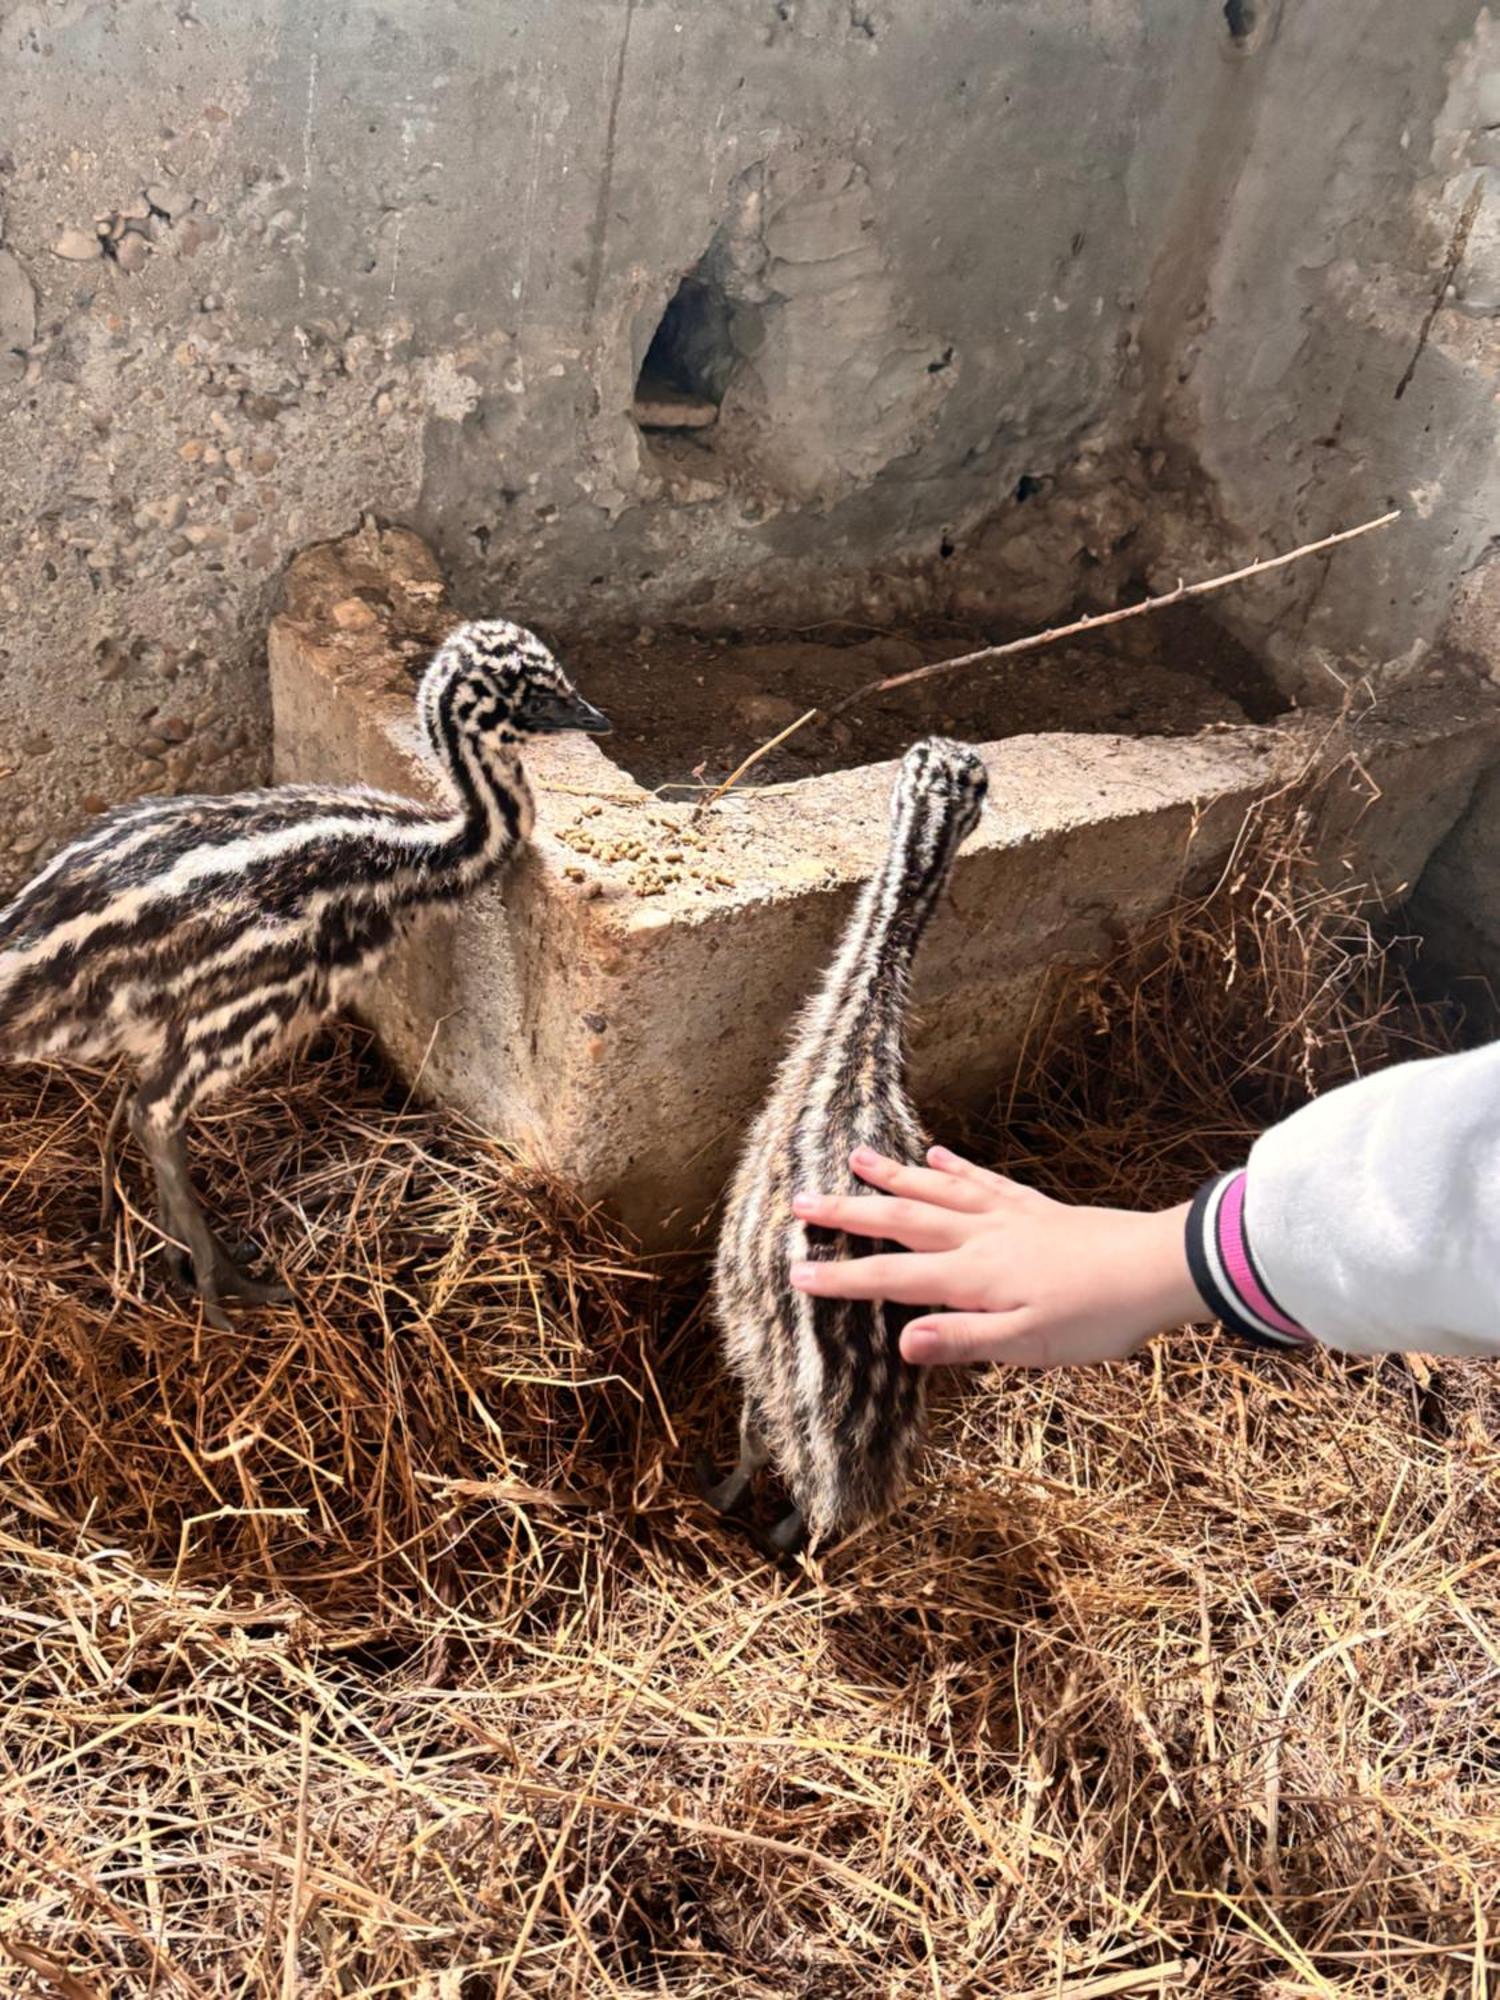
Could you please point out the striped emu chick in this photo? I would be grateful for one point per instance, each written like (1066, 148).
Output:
(198, 937)
(827, 1398)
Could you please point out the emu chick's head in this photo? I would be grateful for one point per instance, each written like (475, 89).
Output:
(498, 681)
(936, 803)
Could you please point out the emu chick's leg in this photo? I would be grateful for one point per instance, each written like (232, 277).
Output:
(181, 1218)
(216, 1273)
(107, 1200)
(781, 1541)
(786, 1536)
(729, 1495)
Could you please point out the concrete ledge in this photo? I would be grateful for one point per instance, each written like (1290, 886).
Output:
(616, 1003)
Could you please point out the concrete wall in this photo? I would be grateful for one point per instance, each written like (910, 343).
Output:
(1456, 909)
(1313, 380)
(409, 258)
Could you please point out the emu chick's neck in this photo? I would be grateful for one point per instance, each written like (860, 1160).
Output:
(863, 1001)
(495, 808)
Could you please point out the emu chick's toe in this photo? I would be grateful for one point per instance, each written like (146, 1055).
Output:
(226, 1275)
(238, 1283)
(229, 1277)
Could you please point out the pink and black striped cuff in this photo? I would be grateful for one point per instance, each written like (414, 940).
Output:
(1224, 1267)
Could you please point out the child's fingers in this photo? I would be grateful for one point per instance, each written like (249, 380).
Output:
(907, 1280)
(917, 1183)
(955, 1167)
(914, 1224)
(950, 1340)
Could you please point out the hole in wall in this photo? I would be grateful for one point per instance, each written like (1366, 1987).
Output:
(1240, 17)
(1028, 486)
(690, 359)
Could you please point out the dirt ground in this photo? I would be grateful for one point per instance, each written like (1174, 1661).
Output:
(686, 704)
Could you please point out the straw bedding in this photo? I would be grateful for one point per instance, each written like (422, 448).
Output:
(381, 1648)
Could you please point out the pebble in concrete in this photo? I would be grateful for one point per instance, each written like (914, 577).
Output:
(78, 245)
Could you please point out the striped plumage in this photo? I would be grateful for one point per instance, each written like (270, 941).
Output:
(198, 937)
(827, 1398)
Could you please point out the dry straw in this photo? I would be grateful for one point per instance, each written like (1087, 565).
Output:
(379, 1649)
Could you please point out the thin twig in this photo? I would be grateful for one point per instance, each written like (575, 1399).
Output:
(1034, 641)
(54, 1975)
(289, 1977)
(1134, 1979)
(754, 758)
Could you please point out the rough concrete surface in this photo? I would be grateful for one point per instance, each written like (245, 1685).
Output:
(1328, 362)
(1006, 304)
(1457, 909)
(615, 1005)
(1457, 905)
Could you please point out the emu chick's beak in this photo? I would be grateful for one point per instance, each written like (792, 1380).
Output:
(567, 711)
(591, 719)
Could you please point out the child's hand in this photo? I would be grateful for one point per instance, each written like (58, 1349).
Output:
(1027, 1280)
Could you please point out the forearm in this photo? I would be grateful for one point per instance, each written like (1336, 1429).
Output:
(1370, 1220)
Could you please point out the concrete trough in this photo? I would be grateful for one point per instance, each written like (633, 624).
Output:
(615, 1004)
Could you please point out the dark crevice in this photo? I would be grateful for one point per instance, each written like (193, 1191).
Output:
(690, 359)
(1240, 16)
(691, 348)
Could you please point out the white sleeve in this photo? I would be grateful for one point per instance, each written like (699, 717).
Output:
(1371, 1218)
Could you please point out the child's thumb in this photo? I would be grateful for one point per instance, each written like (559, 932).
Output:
(954, 1340)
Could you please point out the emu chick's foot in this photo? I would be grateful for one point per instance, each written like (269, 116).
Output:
(780, 1542)
(728, 1496)
(195, 1256)
(785, 1537)
(227, 1276)
(233, 1279)
(185, 1286)
(234, 1275)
